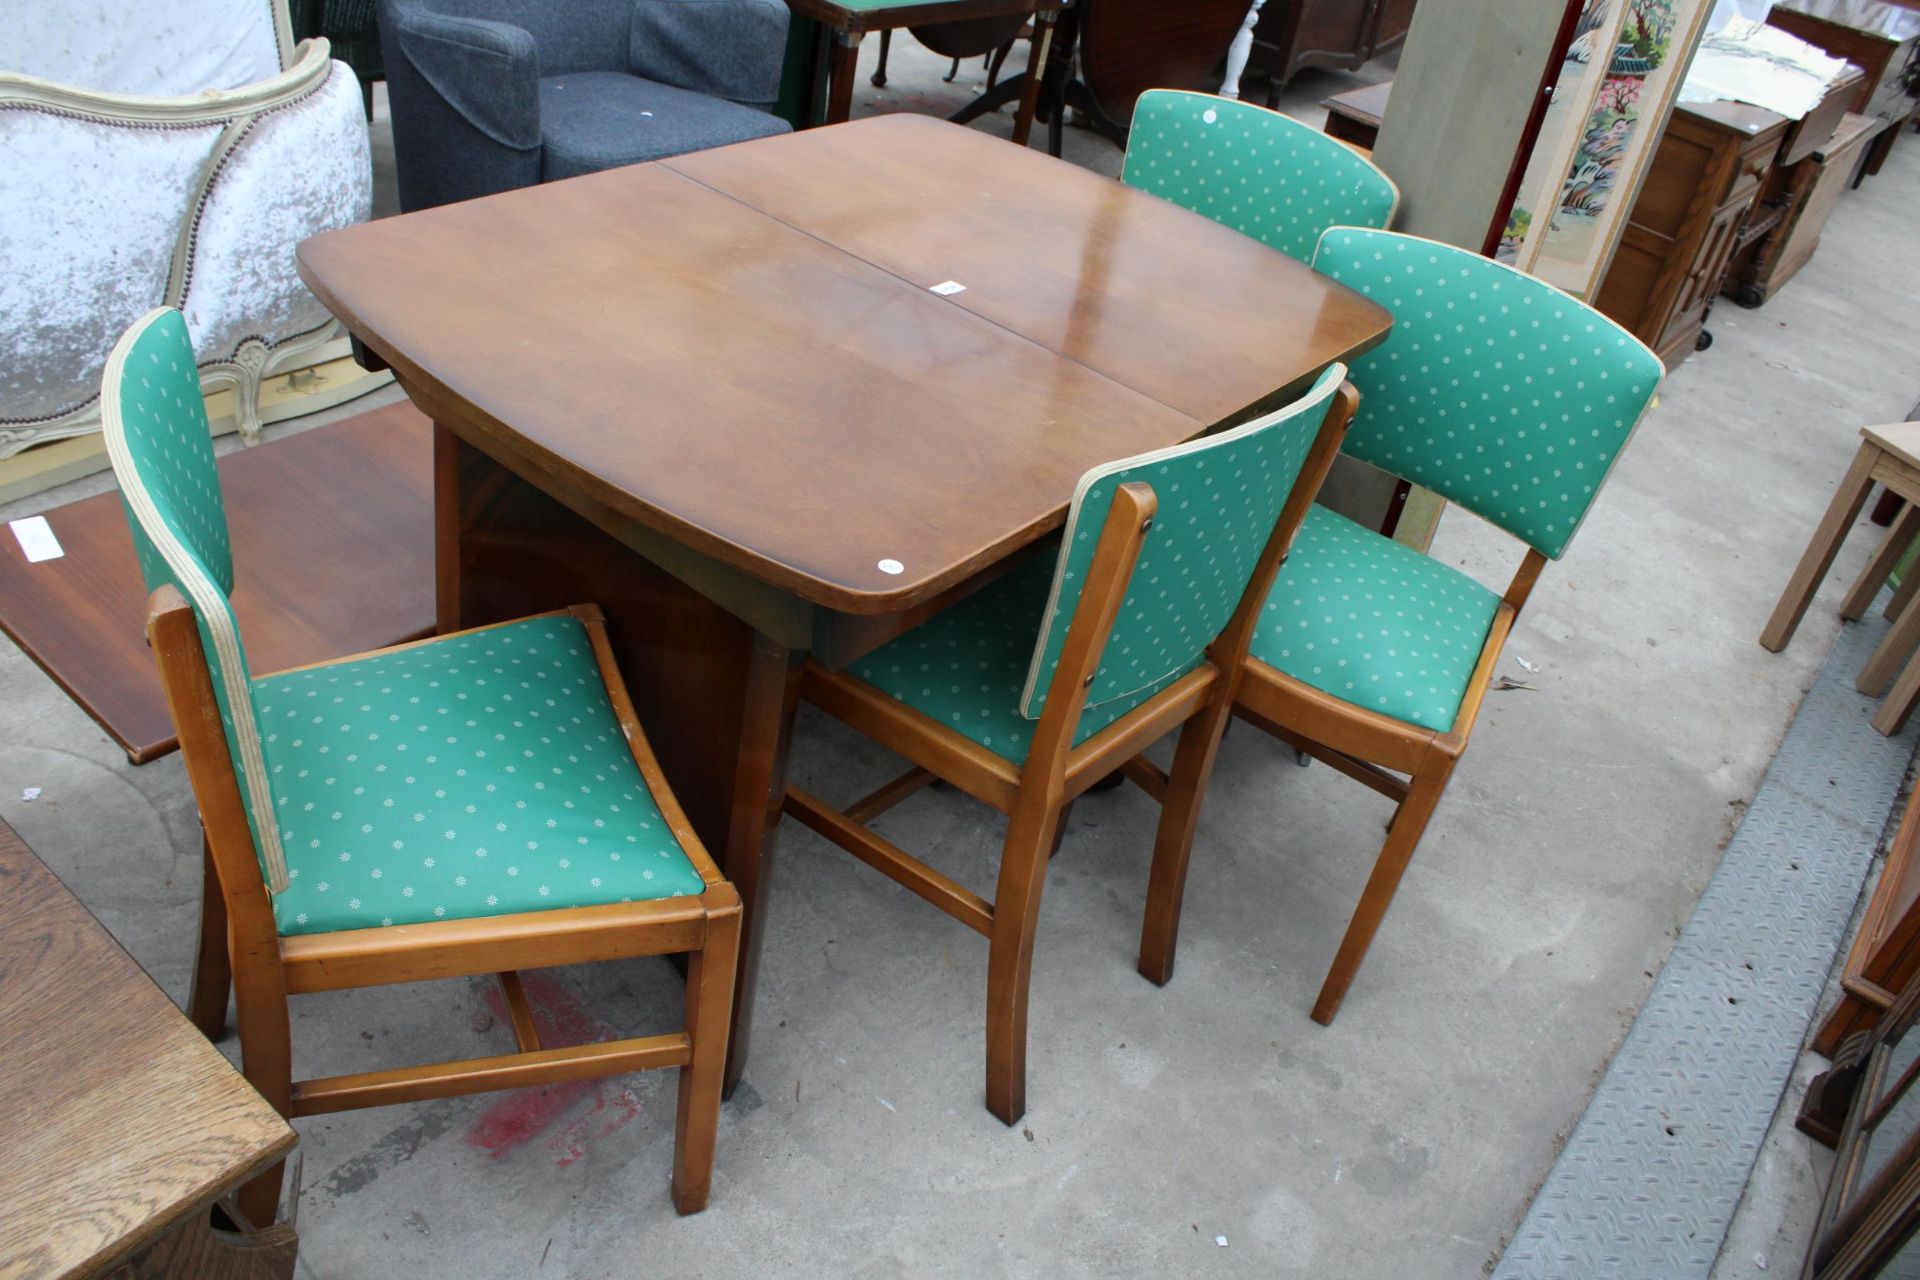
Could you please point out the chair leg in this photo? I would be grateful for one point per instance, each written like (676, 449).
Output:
(880, 72)
(1173, 842)
(1903, 595)
(1900, 642)
(1016, 915)
(709, 1008)
(1874, 576)
(266, 1059)
(1821, 549)
(212, 970)
(1403, 837)
(1893, 713)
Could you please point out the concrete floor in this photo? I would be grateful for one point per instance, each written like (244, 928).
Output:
(1207, 1127)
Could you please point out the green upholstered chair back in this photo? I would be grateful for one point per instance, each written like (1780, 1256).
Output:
(1495, 390)
(1263, 174)
(1219, 499)
(162, 453)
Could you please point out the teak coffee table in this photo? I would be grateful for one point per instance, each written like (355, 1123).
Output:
(720, 397)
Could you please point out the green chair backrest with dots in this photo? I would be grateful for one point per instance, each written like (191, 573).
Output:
(1263, 174)
(1219, 499)
(1495, 390)
(162, 452)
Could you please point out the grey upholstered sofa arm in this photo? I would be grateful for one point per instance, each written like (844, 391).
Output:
(470, 122)
(731, 49)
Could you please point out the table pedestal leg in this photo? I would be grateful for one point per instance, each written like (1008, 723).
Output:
(1043, 24)
(846, 62)
(715, 697)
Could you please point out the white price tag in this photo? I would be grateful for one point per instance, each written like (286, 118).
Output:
(948, 287)
(36, 539)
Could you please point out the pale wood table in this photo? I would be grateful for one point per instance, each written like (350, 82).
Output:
(717, 396)
(120, 1124)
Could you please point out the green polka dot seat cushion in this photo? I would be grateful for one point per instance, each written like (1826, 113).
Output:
(984, 668)
(1261, 173)
(478, 775)
(1374, 623)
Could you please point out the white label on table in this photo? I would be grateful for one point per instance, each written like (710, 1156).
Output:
(891, 565)
(948, 287)
(36, 539)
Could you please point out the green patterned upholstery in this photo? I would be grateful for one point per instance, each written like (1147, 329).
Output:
(477, 775)
(1495, 390)
(1263, 174)
(1374, 623)
(980, 668)
(162, 452)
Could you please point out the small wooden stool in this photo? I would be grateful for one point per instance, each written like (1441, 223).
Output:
(1889, 455)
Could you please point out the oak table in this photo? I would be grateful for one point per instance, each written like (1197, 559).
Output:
(719, 396)
(314, 577)
(119, 1124)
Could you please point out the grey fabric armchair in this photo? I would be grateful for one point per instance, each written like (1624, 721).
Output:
(489, 95)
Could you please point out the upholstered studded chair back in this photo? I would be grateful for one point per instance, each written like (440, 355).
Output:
(1495, 390)
(162, 453)
(1219, 499)
(1263, 174)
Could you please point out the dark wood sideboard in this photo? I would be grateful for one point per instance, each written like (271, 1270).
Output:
(1882, 39)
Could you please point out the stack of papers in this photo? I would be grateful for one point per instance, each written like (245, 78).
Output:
(1752, 62)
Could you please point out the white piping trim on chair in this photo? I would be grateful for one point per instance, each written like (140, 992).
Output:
(1325, 385)
(209, 601)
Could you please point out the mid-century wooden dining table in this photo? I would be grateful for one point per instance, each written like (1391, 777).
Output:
(796, 396)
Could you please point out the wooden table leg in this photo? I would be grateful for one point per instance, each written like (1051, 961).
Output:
(715, 697)
(1043, 24)
(759, 788)
(846, 62)
(1821, 549)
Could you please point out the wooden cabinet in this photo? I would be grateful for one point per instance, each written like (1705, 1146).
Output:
(1879, 38)
(1295, 34)
(1706, 175)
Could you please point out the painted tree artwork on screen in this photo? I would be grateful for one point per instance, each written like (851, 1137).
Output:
(1644, 70)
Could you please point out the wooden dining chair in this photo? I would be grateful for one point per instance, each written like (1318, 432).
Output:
(480, 802)
(1264, 174)
(1044, 682)
(1508, 398)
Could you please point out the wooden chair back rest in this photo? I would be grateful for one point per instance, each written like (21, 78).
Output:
(1495, 390)
(161, 448)
(1219, 498)
(1266, 175)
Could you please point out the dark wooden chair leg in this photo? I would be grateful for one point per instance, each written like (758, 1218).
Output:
(1403, 837)
(212, 969)
(880, 72)
(1016, 917)
(710, 975)
(1173, 841)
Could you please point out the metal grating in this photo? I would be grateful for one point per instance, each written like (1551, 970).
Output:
(1650, 1178)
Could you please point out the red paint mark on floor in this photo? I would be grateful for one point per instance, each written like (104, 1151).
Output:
(519, 1117)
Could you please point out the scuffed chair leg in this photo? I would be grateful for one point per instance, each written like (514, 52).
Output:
(710, 973)
(1173, 841)
(1403, 837)
(1016, 917)
(212, 970)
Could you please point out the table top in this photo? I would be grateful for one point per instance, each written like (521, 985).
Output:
(117, 1118)
(1368, 103)
(739, 349)
(314, 577)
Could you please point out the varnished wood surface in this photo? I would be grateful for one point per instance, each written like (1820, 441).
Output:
(117, 1119)
(859, 20)
(707, 372)
(1197, 317)
(332, 544)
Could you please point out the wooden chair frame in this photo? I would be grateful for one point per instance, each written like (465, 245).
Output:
(1372, 749)
(240, 946)
(1036, 796)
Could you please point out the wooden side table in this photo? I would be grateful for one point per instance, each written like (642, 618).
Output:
(120, 1125)
(1354, 116)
